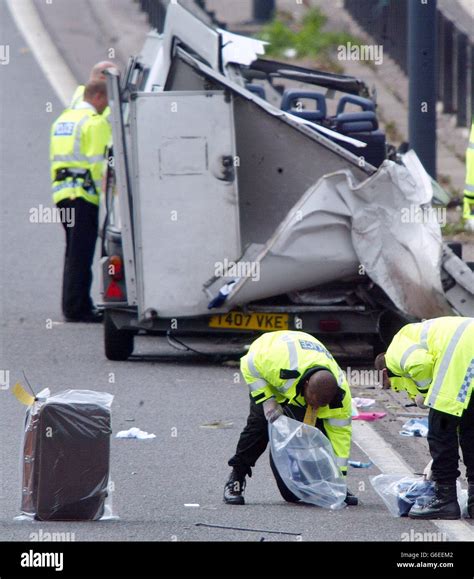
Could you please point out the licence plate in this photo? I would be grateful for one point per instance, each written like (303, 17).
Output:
(240, 321)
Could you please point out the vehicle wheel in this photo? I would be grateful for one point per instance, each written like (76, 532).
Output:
(118, 343)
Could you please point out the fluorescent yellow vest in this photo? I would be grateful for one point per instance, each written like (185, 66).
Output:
(275, 355)
(435, 358)
(469, 187)
(79, 139)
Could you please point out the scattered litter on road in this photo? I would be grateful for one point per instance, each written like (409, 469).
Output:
(415, 427)
(248, 530)
(358, 464)
(218, 424)
(129, 419)
(231, 363)
(134, 433)
(364, 402)
(419, 414)
(369, 416)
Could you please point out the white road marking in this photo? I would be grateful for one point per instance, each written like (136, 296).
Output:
(47, 55)
(390, 462)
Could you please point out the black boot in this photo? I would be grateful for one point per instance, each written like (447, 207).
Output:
(470, 500)
(444, 505)
(351, 500)
(234, 488)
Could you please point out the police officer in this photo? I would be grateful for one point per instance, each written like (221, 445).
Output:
(434, 360)
(79, 139)
(469, 187)
(292, 373)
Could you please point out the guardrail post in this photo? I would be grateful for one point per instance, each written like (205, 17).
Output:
(263, 10)
(422, 81)
(461, 79)
(447, 72)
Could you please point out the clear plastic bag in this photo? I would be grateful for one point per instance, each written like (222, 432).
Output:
(400, 493)
(65, 458)
(306, 463)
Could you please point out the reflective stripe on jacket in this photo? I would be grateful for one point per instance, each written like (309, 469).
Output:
(435, 358)
(79, 139)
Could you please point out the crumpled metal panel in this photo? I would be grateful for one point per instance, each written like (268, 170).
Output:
(384, 224)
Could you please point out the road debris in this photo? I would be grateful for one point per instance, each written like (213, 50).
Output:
(359, 464)
(248, 530)
(415, 427)
(134, 433)
(369, 416)
(363, 402)
(217, 424)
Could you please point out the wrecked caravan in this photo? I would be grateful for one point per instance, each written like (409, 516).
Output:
(237, 201)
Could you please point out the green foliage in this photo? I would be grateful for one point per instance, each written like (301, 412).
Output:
(308, 38)
(451, 229)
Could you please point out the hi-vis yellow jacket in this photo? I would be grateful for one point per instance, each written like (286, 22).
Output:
(435, 358)
(469, 187)
(79, 139)
(274, 367)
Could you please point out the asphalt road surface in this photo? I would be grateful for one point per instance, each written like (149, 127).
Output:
(173, 397)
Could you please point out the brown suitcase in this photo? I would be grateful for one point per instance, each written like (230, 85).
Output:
(66, 460)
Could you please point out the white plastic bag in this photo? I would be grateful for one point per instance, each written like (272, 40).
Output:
(306, 463)
(400, 492)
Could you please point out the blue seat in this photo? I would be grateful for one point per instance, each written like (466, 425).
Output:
(363, 126)
(256, 89)
(363, 103)
(292, 96)
(364, 122)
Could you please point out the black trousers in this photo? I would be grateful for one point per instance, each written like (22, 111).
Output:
(81, 238)
(445, 434)
(254, 440)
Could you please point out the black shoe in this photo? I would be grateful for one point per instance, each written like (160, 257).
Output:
(351, 500)
(444, 505)
(92, 317)
(234, 489)
(470, 500)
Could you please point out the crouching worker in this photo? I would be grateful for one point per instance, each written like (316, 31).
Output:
(290, 373)
(435, 360)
